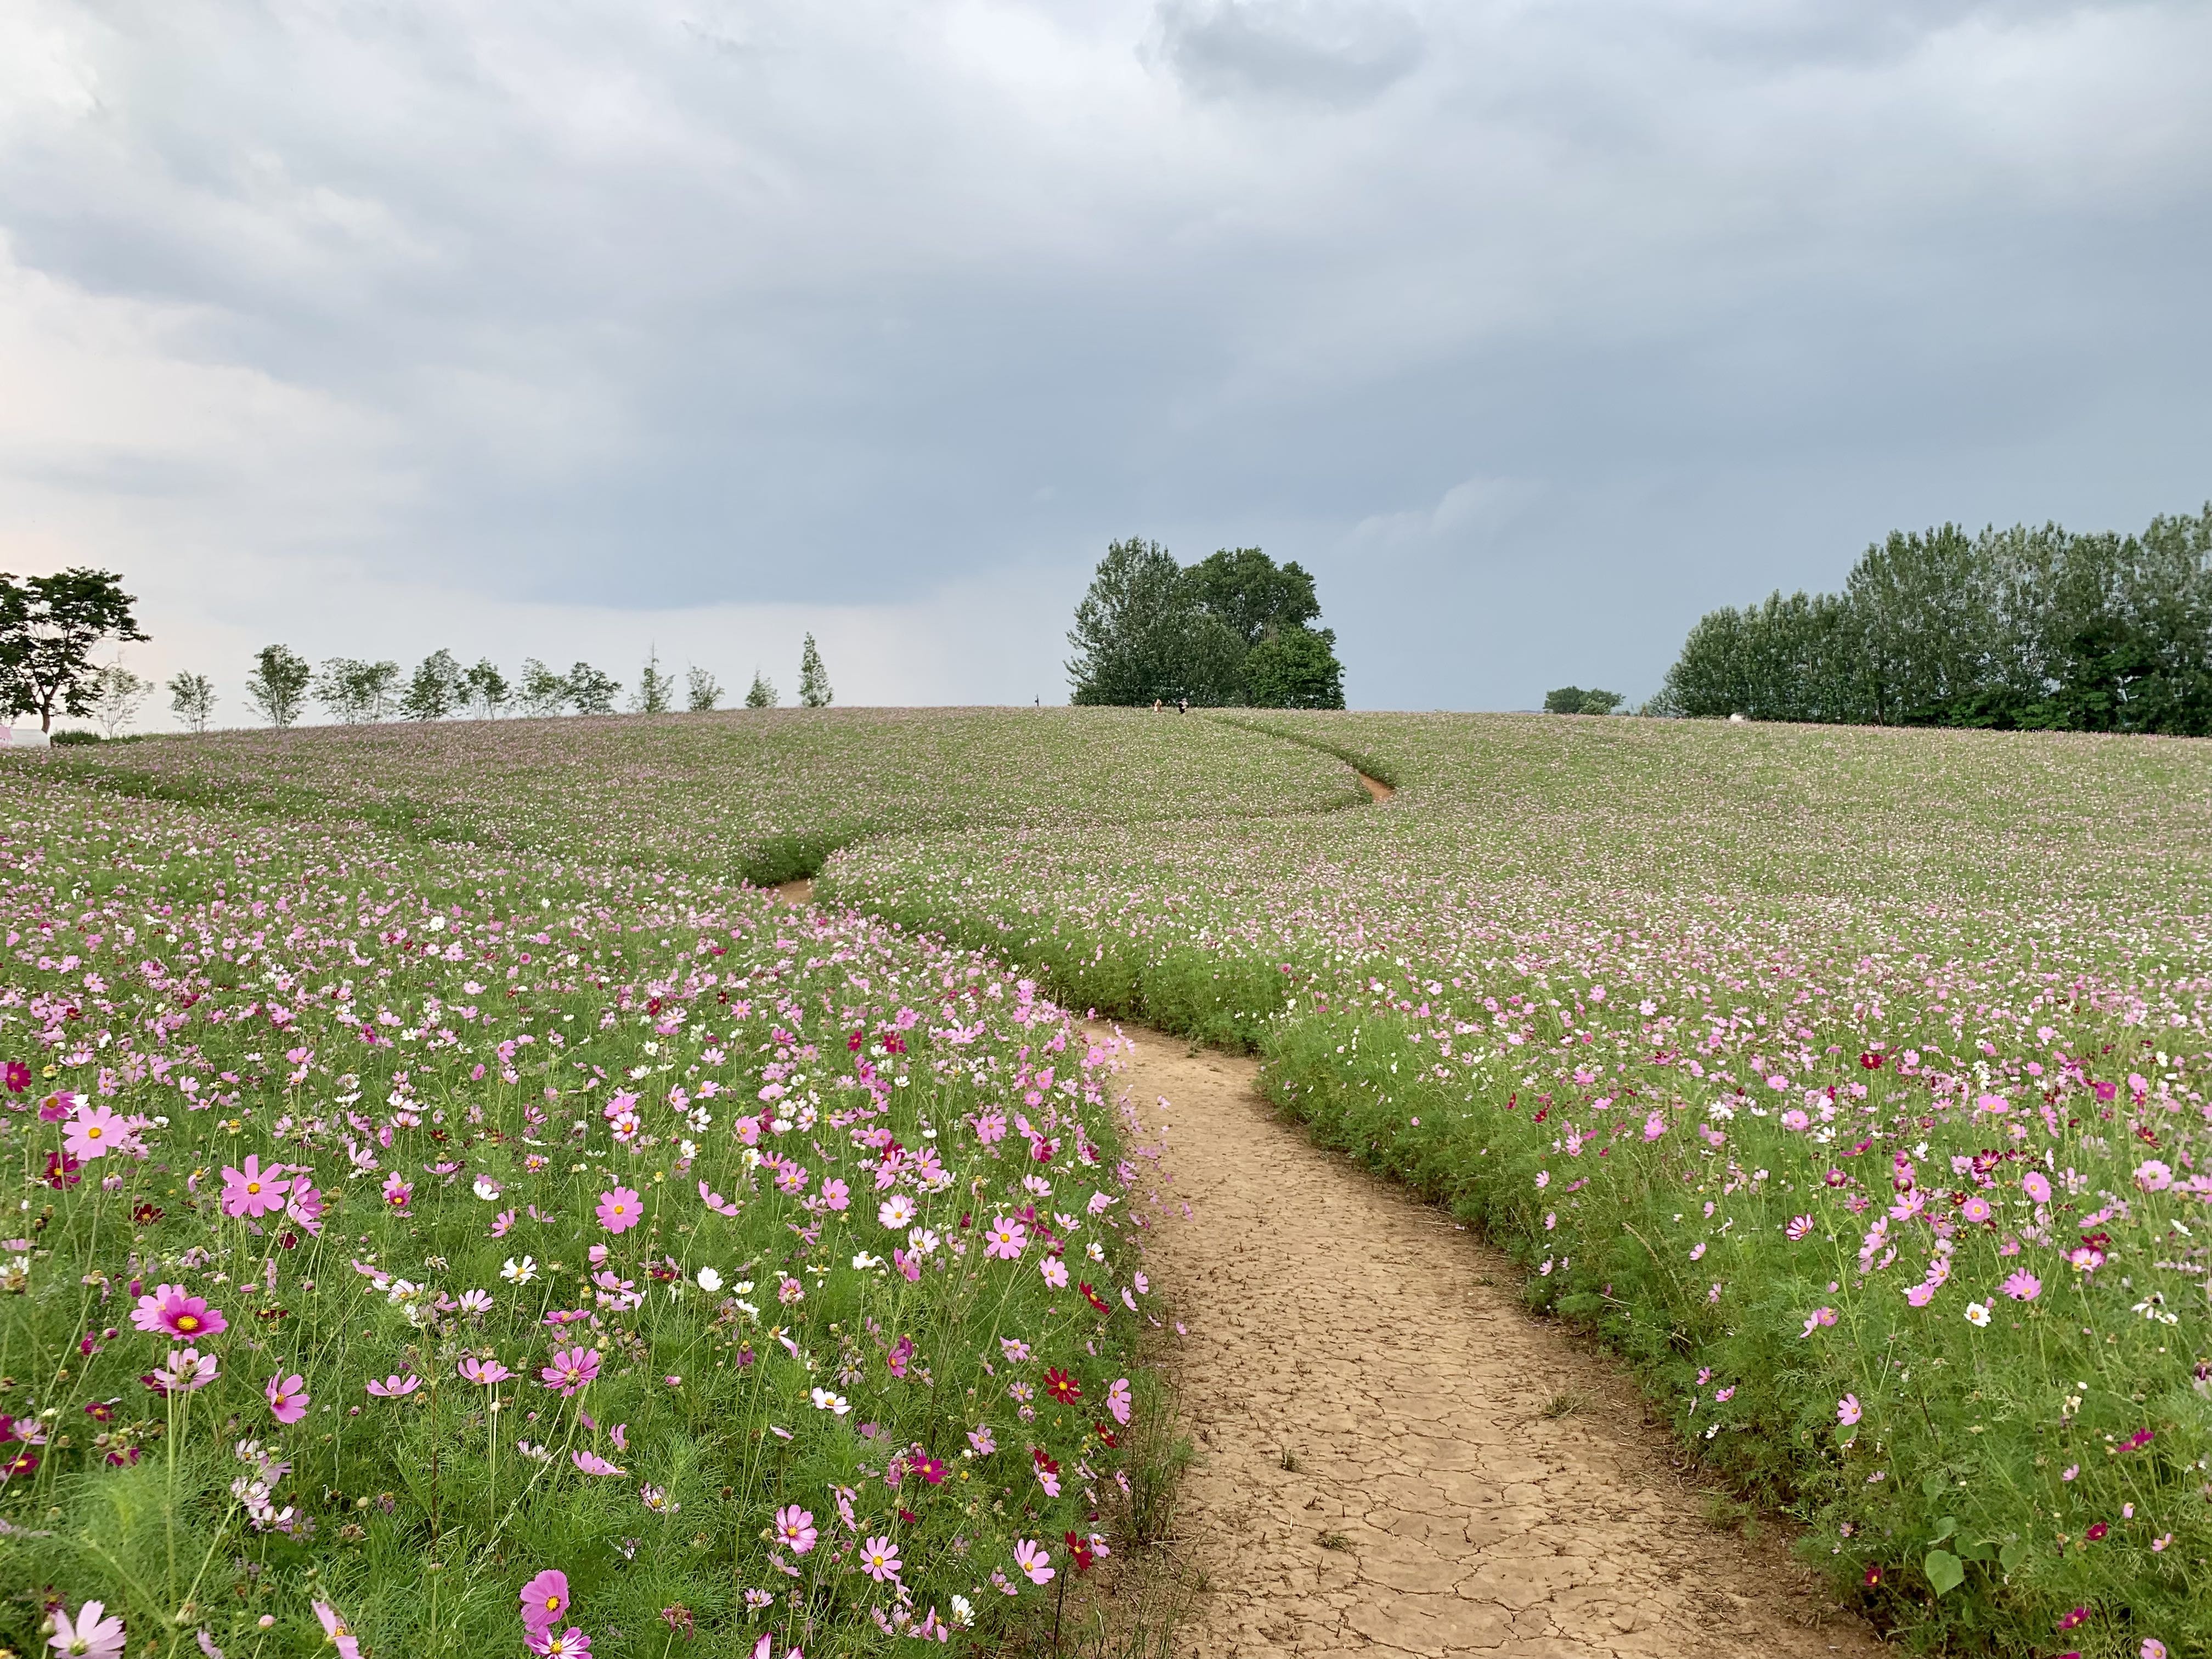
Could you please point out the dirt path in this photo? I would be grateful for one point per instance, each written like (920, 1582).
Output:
(1337, 1324)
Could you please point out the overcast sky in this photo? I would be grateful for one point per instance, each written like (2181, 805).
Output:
(1534, 329)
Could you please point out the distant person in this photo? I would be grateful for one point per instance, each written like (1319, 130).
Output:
(1182, 705)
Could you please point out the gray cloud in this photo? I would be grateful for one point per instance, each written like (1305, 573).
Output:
(1337, 51)
(1534, 330)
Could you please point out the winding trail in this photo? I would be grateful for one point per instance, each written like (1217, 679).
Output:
(1335, 1319)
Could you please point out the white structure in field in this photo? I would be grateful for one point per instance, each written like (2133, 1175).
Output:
(12, 738)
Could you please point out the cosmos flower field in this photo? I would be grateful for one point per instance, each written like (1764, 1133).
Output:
(1853, 1083)
(434, 1249)
(1850, 1083)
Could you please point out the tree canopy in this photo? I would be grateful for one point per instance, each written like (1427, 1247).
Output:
(1233, 630)
(49, 627)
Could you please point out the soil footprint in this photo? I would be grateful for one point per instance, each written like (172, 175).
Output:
(1396, 1457)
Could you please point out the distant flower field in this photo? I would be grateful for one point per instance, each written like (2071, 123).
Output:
(1850, 1083)
(758, 793)
(437, 1249)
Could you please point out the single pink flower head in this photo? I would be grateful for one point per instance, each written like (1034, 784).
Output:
(348, 1644)
(288, 1398)
(544, 1598)
(879, 1559)
(2022, 1285)
(2154, 1176)
(1847, 1410)
(794, 1529)
(95, 1130)
(95, 1633)
(1006, 1239)
(397, 1193)
(186, 1371)
(395, 1386)
(569, 1644)
(2036, 1185)
(253, 1191)
(592, 1462)
(484, 1373)
(169, 1312)
(571, 1370)
(619, 1210)
(1033, 1559)
(1117, 1400)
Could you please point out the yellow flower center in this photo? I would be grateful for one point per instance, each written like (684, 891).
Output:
(92, 1134)
(252, 1187)
(188, 1322)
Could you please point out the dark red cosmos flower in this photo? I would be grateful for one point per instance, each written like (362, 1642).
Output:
(1871, 1059)
(1094, 1299)
(1062, 1387)
(145, 1215)
(19, 1077)
(61, 1171)
(853, 1042)
(2079, 1616)
(1043, 1459)
(1873, 1576)
(1079, 1549)
(1105, 1434)
(100, 1411)
(2097, 1530)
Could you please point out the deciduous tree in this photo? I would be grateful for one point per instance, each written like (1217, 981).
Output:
(49, 627)
(277, 687)
(192, 700)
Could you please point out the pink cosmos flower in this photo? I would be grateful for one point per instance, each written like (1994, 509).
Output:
(95, 1633)
(484, 1373)
(95, 1130)
(1055, 1270)
(1976, 1209)
(1032, 1558)
(2036, 1187)
(1117, 1400)
(592, 1463)
(397, 1193)
(1006, 1239)
(981, 1440)
(253, 1191)
(1816, 1319)
(1847, 1410)
(572, 1370)
(2021, 1285)
(306, 1205)
(396, 1387)
(348, 1644)
(619, 1210)
(186, 1371)
(2154, 1176)
(288, 1398)
(794, 1529)
(837, 1194)
(879, 1559)
(168, 1311)
(1798, 1227)
(544, 1598)
(570, 1643)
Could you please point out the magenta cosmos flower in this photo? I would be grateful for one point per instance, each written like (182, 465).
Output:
(794, 1529)
(288, 1398)
(95, 1633)
(572, 1368)
(169, 1312)
(619, 1210)
(485, 1373)
(253, 1191)
(544, 1598)
(2021, 1285)
(95, 1132)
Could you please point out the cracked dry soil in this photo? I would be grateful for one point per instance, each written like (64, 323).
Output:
(1335, 1318)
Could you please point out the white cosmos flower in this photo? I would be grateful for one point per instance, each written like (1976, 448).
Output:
(485, 1188)
(709, 1280)
(825, 1401)
(518, 1272)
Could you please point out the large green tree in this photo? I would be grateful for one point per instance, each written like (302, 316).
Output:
(1233, 628)
(49, 627)
(278, 686)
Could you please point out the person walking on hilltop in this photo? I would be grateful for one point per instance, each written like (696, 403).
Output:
(1182, 705)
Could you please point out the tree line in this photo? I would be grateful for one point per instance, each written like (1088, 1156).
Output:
(1235, 629)
(2020, 629)
(51, 627)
